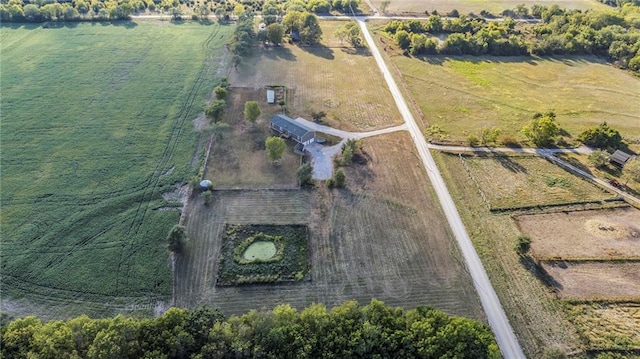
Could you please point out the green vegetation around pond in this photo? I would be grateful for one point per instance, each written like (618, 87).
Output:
(96, 126)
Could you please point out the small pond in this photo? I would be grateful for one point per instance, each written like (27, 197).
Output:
(261, 250)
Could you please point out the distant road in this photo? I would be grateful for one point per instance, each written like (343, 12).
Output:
(496, 316)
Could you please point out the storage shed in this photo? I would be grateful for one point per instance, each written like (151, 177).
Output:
(271, 96)
(619, 158)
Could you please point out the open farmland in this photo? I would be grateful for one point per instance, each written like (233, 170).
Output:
(464, 94)
(476, 6)
(342, 81)
(238, 156)
(382, 237)
(595, 234)
(525, 181)
(96, 127)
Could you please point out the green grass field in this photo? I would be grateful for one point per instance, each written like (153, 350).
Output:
(96, 125)
(464, 94)
(522, 181)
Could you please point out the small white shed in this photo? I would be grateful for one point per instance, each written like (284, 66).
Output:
(271, 96)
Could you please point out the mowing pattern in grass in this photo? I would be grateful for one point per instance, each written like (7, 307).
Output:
(291, 262)
(608, 326)
(463, 95)
(96, 125)
(379, 238)
(476, 6)
(522, 181)
(344, 82)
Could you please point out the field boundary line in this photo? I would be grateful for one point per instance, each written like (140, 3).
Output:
(484, 198)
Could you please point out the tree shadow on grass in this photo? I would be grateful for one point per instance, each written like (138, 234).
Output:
(539, 272)
(531, 60)
(319, 50)
(360, 51)
(508, 163)
(278, 53)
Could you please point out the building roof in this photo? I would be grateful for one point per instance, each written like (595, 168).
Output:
(619, 157)
(290, 125)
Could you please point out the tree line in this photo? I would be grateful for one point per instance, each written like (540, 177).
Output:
(346, 331)
(78, 10)
(614, 34)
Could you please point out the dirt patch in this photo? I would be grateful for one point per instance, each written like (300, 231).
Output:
(595, 280)
(593, 234)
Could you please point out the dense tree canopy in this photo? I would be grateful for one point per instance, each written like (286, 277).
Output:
(542, 129)
(603, 136)
(614, 34)
(346, 331)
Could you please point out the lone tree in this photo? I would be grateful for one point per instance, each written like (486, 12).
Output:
(603, 136)
(251, 111)
(523, 245)
(338, 180)
(216, 110)
(599, 158)
(304, 174)
(275, 148)
(177, 238)
(275, 33)
(542, 129)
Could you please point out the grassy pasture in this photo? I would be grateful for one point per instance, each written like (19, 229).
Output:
(340, 80)
(464, 94)
(96, 126)
(538, 317)
(476, 6)
(519, 181)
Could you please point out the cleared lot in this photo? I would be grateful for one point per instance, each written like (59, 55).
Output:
(381, 237)
(596, 234)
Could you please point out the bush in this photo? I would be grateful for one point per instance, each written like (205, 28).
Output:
(523, 245)
(207, 198)
(599, 158)
(177, 238)
(509, 141)
(603, 136)
(473, 140)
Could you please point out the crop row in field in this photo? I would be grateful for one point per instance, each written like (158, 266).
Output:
(96, 126)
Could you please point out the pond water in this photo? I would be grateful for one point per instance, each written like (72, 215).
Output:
(261, 250)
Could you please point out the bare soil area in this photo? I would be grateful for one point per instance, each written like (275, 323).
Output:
(594, 234)
(383, 237)
(595, 280)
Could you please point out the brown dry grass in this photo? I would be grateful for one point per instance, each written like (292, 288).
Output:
(595, 280)
(475, 6)
(513, 181)
(597, 234)
(608, 325)
(533, 310)
(238, 159)
(381, 237)
(342, 81)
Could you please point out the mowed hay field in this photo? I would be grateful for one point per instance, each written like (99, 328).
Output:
(464, 94)
(511, 181)
(238, 158)
(97, 125)
(381, 237)
(605, 325)
(340, 80)
(476, 6)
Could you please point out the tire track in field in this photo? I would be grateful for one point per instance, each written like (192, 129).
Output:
(163, 165)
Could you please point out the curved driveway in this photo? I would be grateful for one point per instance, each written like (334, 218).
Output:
(498, 321)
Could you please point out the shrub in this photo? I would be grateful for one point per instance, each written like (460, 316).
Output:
(177, 238)
(509, 141)
(523, 245)
(473, 140)
(207, 198)
(599, 158)
(602, 136)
